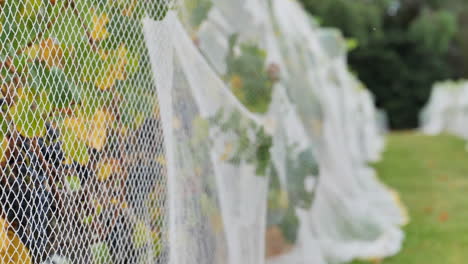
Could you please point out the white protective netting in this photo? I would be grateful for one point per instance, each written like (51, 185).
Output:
(83, 176)
(268, 135)
(206, 131)
(446, 110)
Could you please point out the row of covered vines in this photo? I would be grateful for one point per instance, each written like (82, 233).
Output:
(206, 131)
(269, 139)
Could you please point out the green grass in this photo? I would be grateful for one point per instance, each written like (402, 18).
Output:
(431, 175)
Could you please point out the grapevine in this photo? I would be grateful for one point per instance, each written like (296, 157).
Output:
(72, 103)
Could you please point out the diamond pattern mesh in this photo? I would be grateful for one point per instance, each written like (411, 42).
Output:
(81, 149)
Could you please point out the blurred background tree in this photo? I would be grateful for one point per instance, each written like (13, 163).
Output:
(404, 47)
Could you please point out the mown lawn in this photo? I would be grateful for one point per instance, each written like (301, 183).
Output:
(431, 174)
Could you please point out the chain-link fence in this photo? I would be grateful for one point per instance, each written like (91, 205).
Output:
(83, 176)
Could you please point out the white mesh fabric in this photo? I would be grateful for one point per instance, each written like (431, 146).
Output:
(347, 189)
(372, 128)
(259, 75)
(446, 110)
(227, 182)
(83, 176)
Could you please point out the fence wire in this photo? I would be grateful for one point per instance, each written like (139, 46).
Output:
(82, 160)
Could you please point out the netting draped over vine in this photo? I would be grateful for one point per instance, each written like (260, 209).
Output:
(207, 131)
(447, 110)
(255, 75)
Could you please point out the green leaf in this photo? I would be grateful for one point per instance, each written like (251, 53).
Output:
(67, 29)
(88, 220)
(136, 105)
(263, 157)
(89, 62)
(101, 254)
(4, 145)
(300, 167)
(140, 234)
(74, 183)
(93, 99)
(30, 7)
(249, 78)
(29, 115)
(352, 44)
(3, 124)
(198, 10)
(19, 62)
(133, 63)
(100, 3)
(121, 29)
(201, 128)
(290, 225)
(22, 22)
(61, 91)
(158, 10)
(157, 243)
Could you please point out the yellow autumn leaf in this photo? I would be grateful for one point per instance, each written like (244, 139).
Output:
(92, 132)
(98, 134)
(283, 199)
(140, 234)
(122, 61)
(217, 222)
(114, 69)
(176, 123)
(105, 170)
(3, 235)
(99, 31)
(78, 126)
(114, 201)
(228, 149)
(105, 81)
(122, 204)
(74, 139)
(156, 110)
(12, 250)
(161, 159)
(237, 85)
(98, 207)
(68, 161)
(47, 51)
(33, 51)
(4, 146)
(236, 82)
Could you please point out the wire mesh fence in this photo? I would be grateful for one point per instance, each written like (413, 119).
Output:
(82, 162)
